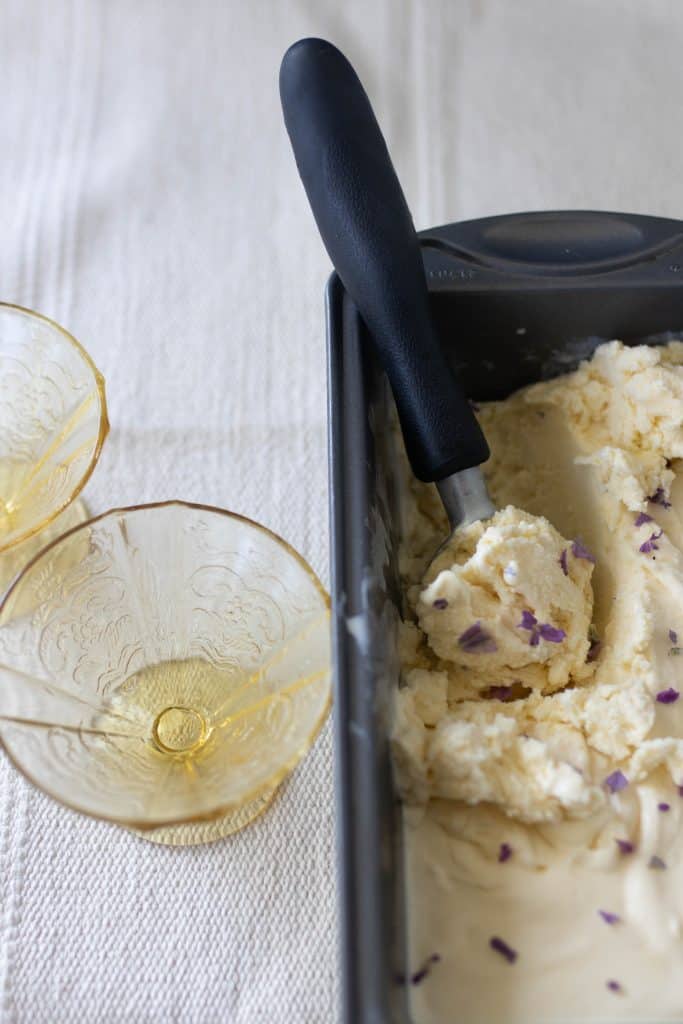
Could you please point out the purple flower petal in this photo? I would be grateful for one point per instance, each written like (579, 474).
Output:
(651, 543)
(625, 847)
(608, 917)
(543, 631)
(476, 640)
(669, 696)
(563, 562)
(642, 518)
(614, 986)
(422, 973)
(472, 633)
(594, 650)
(659, 498)
(663, 807)
(440, 604)
(500, 692)
(673, 636)
(504, 853)
(579, 550)
(680, 790)
(616, 782)
(550, 633)
(502, 947)
(528, 620)
(657, 864)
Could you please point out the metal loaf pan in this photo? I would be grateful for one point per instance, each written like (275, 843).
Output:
(516, 299)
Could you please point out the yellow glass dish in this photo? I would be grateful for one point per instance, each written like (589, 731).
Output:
(53, 422)
(164, 667)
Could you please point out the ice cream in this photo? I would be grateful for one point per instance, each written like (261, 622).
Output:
(510, 598)
(538, 733)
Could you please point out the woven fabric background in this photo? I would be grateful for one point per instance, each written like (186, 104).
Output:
(149, 202)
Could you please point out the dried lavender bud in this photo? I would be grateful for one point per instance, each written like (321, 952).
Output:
(551, 633)
(651, 543)
(669, 696)
(502, 947)
(594, 650)
(528, 620)
(543, 630)
(616, 782)
(476, 640)
(579, 550)
(659, 498)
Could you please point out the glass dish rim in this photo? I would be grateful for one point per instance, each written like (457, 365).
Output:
(275, 780)
(103, 426)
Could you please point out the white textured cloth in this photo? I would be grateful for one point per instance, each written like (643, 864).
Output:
(149, 202)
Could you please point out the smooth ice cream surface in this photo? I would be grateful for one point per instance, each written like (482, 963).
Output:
(538, 732)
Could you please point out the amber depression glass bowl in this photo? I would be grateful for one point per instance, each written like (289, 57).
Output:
(53, 422)
(172, 669)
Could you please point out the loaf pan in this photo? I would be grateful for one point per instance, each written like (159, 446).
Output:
(516, 299)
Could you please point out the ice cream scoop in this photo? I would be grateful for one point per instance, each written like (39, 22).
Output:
(367, 228)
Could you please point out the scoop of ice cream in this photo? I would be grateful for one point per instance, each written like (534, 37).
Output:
(510, 600)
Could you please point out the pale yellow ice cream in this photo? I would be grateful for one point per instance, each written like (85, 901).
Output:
(564, 750)
(509, 599)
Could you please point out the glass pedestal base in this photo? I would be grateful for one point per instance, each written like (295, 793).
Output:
(196, 833)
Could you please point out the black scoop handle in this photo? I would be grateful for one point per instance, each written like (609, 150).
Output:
(365, 223)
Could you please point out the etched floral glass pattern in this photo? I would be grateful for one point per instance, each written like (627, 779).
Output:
(163, 664)
(53, 422)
